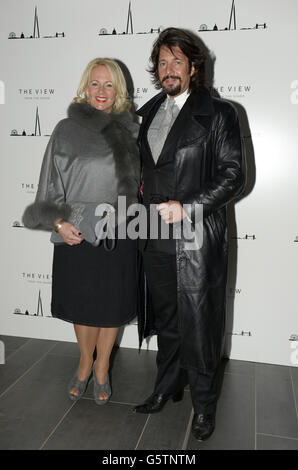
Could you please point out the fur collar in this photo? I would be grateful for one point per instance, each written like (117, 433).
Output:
(96, 120)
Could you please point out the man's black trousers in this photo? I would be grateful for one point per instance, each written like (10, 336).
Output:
(160, 270)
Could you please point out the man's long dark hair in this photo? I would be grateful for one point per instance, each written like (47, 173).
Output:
(188, 44)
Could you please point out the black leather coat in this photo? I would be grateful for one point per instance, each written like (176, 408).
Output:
(206, 144)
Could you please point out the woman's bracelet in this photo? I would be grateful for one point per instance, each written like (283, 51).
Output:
(58, 225)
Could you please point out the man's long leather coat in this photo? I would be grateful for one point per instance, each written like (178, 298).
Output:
(205, 143)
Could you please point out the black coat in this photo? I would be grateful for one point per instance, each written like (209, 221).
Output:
(209, 169)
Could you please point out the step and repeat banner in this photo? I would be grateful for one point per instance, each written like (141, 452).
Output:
(252, 62)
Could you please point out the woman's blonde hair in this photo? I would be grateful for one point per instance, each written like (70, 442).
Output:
(118, 81)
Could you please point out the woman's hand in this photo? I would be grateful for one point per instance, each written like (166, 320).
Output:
(70, 234)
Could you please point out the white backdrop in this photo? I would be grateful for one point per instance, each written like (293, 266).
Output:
(255, 67)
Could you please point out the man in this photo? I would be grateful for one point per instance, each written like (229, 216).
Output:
(191, 154)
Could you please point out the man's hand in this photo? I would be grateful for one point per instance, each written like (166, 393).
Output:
(171, 211)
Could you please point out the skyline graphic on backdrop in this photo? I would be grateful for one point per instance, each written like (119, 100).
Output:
(244, 237)
(232, 24)
(36, 32)
(39, 309)
(37, 129)
(130, 29)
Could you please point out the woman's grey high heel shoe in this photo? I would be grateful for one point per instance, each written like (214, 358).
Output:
(81, 385)
(98, 389)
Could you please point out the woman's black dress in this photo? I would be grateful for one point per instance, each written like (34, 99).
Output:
(95, 287)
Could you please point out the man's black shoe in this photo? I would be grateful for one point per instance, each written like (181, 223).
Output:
(156, 402)
(203, 426)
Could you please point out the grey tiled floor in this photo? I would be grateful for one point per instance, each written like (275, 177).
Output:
(257, 408)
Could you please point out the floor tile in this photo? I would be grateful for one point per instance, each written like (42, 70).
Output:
(294, 373)
(235, 423)
(35, 404)
(271, 370)
(295, 388)
(64, 348)
(8, 353)
(240, 367)
(23, 358)
(35, 408)
(89, 426)
(276, 412)
(265, 442)
(13, 342)
(166, 430)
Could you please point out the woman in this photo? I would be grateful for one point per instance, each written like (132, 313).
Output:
(90, 159)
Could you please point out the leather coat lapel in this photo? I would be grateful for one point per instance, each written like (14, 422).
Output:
(192, 123)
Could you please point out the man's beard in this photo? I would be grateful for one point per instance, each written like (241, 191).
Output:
(169, 90)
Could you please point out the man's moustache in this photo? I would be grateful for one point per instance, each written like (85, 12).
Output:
(170, 76)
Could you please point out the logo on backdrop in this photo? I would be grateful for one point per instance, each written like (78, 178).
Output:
(36, 32)
(249, 237)
(28, 188)
(36, 125)
(233, 292)
(241, 333)
(232, 23)
(40, 278)
(140, 93)
(232, 90)
(294, 94)
(39, 309)
(17, 224)
(36, 93)
(129, 27)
